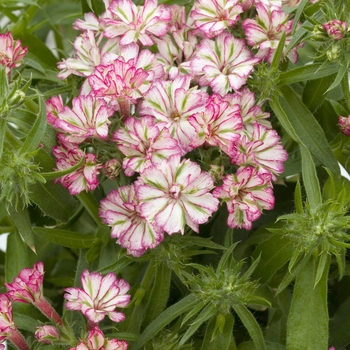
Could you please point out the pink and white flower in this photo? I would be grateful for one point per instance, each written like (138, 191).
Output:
(223, 63)
(175, 193)
(173, 102)
(87, 118)
(121, 210)
(99, 297)
(11, 52)
(250, 112)
(218, 125)
(261, 149)
(46, 334)
(246, 193)
(97, 341)
(266, 30)
(335, 29)
(214, 16)
(136, 23)
(82, 179)
(144, 143)
(344, 125)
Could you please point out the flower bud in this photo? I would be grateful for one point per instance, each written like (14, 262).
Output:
(335, 29)
(344, 125)
(112, 168)
(46, 334)
(333, 53)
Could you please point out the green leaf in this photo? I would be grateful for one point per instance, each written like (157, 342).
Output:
(322, 265)
(298, 13)
(307, 325)
(307, 128)
(339, 326)
(54, 200)
(251, 325)
(91, 205)
(207, 312)
(56, 174)
(346, 91)
(65, 238)
(214, 340)
(160, 292)
(274, 253)
(117, 266)
(26, 322)
(310, 179)
(172, 312)
(21, 219)
(298, 199)
(342, 72)
(16, 257)
(308, 72)
(2, 134)
(37, 131)
(279, 51)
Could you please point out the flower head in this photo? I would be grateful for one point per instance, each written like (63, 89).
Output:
(223, 63)
(214, 16)
(97, 341)
(175, 193)
(11, 52)
(246, 193)
(7, 326)
(27, 287)
(133, 23)
(144, 143)
(121, 210)
(344, 125)
(99, 296)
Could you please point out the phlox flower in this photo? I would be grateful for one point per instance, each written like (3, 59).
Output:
(271, 3)
(46, 334)
(144, 143)
(82, 179)
(87, 118)
(223, 63)
(173, 102)
(121, 210)
(218, 125)
(262, 149)
(88, 55)
(214, 16)
(266, 30)
(7, 325)
(27, 287)
(250, 112)
(11, 52)
(335, 29)
(344, 125)
(90, 22)
(119, 80)
(246, 194)
(136, 23)
(175, 193)
(99, 296)
(97, 341)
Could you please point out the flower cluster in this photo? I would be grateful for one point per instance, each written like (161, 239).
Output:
(159, 115)
(99, 297)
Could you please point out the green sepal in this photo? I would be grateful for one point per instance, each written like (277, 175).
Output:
(298, 199)
(65, 238)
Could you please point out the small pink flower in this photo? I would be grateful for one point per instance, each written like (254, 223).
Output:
(89, 117)
(121, 210)
(8, 330)
(246, 193)
(218, 125)
(175, 193)
(27, 287)
(173, 102)
(144, 143)
(214, 16)
(136, 23)
(344, 125)
(99, 296)
(97, 341)
(266, 30)
(11, 52)
(223, 63)
(335, 29)
(83, 178)
(46, 334)
(261, 148)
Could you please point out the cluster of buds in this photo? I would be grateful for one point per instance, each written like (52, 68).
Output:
(150, 113)
(99, 297)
